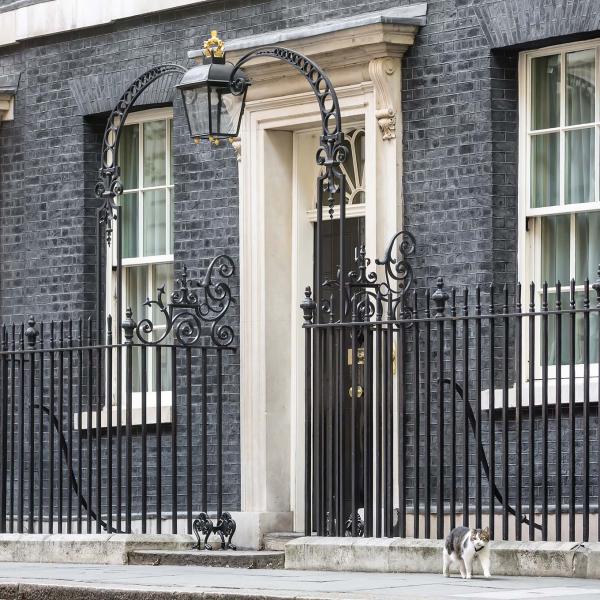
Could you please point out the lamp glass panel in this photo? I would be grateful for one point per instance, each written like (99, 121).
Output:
(225, 109)
(233, 112)
(196, 108)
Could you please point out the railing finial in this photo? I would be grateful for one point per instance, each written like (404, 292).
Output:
(440, 297)
(308, 305)
(31, 332)
(128, 326)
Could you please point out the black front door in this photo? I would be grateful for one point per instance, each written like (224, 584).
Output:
(338, 451)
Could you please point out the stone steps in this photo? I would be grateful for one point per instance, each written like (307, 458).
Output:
(243, 559)
(277, 541)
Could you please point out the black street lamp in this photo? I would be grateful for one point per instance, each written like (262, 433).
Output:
(214, 95)
(213, 103)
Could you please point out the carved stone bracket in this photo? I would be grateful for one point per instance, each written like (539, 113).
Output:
(6, 107)
(380, 71)
(9, 84)
(236, 143)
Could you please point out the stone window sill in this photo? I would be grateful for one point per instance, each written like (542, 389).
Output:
(537, 390)
(136, 414)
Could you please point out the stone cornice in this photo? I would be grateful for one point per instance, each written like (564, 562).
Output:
(343, 48)
(26, 19)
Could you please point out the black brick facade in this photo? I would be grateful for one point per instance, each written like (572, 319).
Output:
(460, 123)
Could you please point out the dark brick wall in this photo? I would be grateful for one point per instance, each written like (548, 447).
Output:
(460, 144)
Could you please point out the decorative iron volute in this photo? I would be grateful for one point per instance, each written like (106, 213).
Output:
(596, 287)
(440, 297)
(31, 332)
(128, 325)
(308, 305)
(195, 308)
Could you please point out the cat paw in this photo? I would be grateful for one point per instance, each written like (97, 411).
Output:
(468, 577)
(446, 574)
(487, 575)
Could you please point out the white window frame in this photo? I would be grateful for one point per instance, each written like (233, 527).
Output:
(529, 257)
(137, 118)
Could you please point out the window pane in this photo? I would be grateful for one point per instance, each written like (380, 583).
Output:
(579, 167)
(581, 86)
(128, 156)
(587, 246)
(580, 330)
(155, 215)
(171, 219)
(544, 170)
(566, 332)
(154, 153)
(354, 167)
(553, 328)
(555, 245)
(129, 223)
(165, 365)
(545, 92)
(136, 286)
(170, 124)
(163, 275)
(136, 290)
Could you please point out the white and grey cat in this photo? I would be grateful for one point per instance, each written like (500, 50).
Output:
(463, 545)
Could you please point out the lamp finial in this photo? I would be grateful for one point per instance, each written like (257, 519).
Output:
(213, 46)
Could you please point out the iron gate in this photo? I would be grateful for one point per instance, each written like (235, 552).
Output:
(426, 409)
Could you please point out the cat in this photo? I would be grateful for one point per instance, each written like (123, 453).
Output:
(463, 545)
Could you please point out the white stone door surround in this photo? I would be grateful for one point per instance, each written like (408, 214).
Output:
(276, 235)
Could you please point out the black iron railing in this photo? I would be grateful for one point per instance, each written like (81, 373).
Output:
(119, 433)
(429, 409)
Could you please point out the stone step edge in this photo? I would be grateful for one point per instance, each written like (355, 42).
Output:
(247, 559)
(410, 555)
(278, 539)
(103, 548)
(53, 591)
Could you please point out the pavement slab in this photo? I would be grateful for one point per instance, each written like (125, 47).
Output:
(29, 581)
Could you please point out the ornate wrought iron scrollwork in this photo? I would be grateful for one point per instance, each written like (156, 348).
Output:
(202, 526)
(109, 185)
(225, 528)
(399, 276)
(354, 520)
(332, 150)
(365, 296)
(193, 304)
